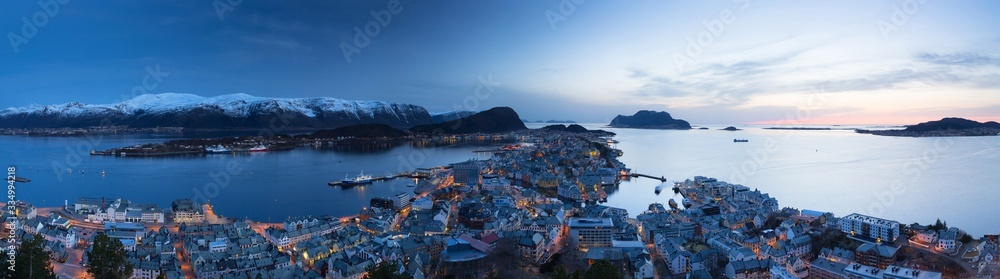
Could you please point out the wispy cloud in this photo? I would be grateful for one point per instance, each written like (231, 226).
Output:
(959, 59)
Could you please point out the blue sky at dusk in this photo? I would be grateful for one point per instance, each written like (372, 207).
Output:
(710, 62)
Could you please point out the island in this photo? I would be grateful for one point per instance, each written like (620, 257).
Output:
(647, 119)
(946, 127)
(731, 128)
(574, 128)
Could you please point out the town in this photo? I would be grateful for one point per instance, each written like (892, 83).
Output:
(532, 210)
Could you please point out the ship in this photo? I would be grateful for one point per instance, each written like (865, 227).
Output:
(741, 140)
(361, 179)
(217, 149)
(259, 148)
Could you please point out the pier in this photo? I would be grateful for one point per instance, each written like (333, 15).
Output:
(384, 178)
(661, 178)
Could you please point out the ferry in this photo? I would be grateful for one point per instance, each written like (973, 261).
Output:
(259, 148)
(361, 179)
(741, 140)
(217, 149)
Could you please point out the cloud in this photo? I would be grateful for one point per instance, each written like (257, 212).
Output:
(959, 59)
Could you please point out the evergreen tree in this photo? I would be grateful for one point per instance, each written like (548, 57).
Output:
(385, 270)
(602, 269)
(108, 259)
(5, 272)
(32, 260)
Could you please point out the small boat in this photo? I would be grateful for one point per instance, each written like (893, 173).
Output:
(672, 203)
(388, 176)
(659, 188)
(259, 148)
(741, 140)
(217, 149)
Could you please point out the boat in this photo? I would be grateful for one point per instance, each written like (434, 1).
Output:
(672, 203)
(361, 179)
(658, 188)
(388, 176)
(741, 140)
(217, 149)
(259, 148)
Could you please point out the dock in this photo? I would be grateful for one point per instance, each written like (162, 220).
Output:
(661, 178)
(383, 178)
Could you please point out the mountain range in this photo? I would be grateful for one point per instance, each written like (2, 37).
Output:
(233, 111)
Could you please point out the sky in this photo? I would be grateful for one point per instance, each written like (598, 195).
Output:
(708, 62)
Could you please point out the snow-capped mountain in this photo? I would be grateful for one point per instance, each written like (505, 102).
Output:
(220, 112)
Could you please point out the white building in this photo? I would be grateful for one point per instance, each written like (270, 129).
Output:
(870, 227)
(897, 272)
(424, 203)
(585, 233)
(401, 200)
(946, 241)
(491, 183)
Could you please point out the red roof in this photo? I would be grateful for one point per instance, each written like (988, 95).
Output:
(491, 238)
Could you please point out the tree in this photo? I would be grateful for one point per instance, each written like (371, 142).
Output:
(385, 270)
(32, 260)
(602, 269)
(4, 271)
(108, 259)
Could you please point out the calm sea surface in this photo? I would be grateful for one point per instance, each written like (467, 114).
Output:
(906, 179)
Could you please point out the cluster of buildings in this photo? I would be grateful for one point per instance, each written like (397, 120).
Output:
(118, 210)
(531, 202)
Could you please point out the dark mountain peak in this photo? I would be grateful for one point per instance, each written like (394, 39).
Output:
(648, 119)
(494, 120)
(951, 123)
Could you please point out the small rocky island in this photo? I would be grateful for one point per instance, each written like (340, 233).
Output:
(647, 119)
(731, 128)
(946, 127)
